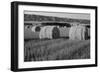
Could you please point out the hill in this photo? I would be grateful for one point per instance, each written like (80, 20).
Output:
(41, 18)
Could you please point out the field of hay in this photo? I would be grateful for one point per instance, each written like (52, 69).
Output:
(56, 49)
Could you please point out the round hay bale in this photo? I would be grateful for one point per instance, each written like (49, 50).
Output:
(49, 32)
(27, 26)
(72, 32)
(64, 31)
(82, 33)
(53, 32)
(42, 32)
(78, 32)
(88, 32)
(33, 28)
(36, 28)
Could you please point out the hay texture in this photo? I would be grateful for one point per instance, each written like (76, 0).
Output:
(36, 28)
(64, 31)
(33, 28)
(54, 32)
(42, 32)
(49, 32)
(72, 32)
(78, 33)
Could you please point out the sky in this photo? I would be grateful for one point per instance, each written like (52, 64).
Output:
(61, 14)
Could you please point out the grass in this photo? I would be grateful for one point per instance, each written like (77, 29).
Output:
(56, 49)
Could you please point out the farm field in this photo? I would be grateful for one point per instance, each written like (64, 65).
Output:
(56, 49)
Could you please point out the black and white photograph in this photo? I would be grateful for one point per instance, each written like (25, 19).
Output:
(53, 36)
(56, 36)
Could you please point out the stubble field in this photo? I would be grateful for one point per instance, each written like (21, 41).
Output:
(56, 49)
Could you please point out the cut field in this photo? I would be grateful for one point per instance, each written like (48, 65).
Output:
(56, 49)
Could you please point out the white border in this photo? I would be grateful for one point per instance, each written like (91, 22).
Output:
(22, 64)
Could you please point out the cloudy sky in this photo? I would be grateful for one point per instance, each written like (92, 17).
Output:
(61, 14)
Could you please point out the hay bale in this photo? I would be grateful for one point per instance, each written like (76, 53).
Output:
(72, 32)
(36, 28)
(42, 32)
(33, 28)
(78, 32)
(53, 32)
(88, 32)
(27, 26)
(64, 31)
(49, 32)
(82, 33)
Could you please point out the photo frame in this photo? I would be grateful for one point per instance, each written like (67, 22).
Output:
(48, 36)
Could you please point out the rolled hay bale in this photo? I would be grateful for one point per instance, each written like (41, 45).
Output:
(82, 33)
(46, 32)
(64, 31)
(53, 32)
(36, 28)
(72, 32)
(78, 32)
(28, 34)
(42, 32)
(33, 28)
(28, 26)
(88, 32)
(49, 32)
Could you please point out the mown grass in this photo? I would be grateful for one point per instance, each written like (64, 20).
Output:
(56, 49)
